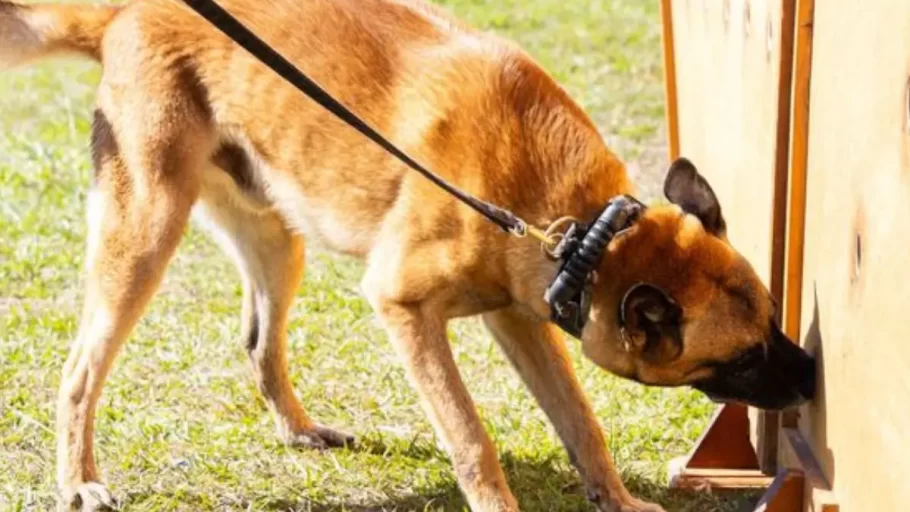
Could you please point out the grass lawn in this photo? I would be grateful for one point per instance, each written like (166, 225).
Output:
(181, 426)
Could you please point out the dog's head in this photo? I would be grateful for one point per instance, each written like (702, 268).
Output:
(689, 310)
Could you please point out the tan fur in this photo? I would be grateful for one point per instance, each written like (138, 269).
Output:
(188, 122)
(43, 30)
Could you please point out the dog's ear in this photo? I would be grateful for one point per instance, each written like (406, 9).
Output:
(690, 190)
(651, 321)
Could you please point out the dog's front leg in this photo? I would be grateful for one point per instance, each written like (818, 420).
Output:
(538, 353)
(419, 335)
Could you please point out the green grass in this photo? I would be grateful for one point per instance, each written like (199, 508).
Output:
(180, 425)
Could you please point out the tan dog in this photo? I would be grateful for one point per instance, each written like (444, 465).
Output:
(187, 120)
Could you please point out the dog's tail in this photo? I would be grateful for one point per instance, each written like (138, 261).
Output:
(31, 32)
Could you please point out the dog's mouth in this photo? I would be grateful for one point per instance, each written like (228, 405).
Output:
(762, 401)
(717, 399)
(756, 389)
(777, 376)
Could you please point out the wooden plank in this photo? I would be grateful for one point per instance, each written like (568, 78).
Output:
(764, 433)
(798, 158)
(722, 480)
(731, 95)
(782, 154)
(727, 70)
(672, 112)
(855, 276)
(796, 184)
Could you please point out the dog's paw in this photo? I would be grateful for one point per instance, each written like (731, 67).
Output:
(320, 437)
(629, 504)
(87, 497)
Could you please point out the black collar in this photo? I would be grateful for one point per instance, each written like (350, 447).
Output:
(581, 251)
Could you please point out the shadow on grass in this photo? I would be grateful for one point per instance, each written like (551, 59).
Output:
(546, 483)
(538, 484)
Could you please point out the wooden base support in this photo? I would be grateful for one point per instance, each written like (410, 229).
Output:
(817, 494)
(785, 494)
(798, 490)
(723, 458)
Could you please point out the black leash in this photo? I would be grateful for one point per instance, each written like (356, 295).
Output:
(580, 249)
(231, 27)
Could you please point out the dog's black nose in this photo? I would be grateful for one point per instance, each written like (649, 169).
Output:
(806, 385)
(797, 366)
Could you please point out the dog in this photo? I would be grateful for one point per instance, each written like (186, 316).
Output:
(188, 125)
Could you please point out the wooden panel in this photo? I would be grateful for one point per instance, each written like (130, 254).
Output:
(727, 79)
(856, 281)
(732, 59)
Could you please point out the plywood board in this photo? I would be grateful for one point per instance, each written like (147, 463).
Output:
(856, 277)
(727, 79)
(732, 60)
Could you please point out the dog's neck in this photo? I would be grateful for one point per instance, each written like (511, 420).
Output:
(567, 171)
(565, 168)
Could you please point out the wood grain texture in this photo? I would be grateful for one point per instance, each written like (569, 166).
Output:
(855, 273)
(791, 304)
(798, 158)
(728, 56)
(670, 93)
(731, 84)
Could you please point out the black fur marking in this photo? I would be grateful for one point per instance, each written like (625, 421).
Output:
(103, 143)
(252, 336)
(770, 375)
(233, 160)
(188, 77)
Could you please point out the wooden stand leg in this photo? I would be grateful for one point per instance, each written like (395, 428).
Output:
(723, 458)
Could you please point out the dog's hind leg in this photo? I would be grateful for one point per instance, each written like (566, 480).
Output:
(270, 259)
(145, 187)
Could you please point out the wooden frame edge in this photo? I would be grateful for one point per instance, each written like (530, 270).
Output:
(768, 423)
(669, 59)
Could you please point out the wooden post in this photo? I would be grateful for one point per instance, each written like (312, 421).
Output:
(672, 113)
(767, 422)
(799, 152)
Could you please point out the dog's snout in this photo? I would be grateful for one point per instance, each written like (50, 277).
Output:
(775, 375)
(803, 373)
(797, 367)
(807, 384)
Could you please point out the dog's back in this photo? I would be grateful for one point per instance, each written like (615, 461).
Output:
(460, 101)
